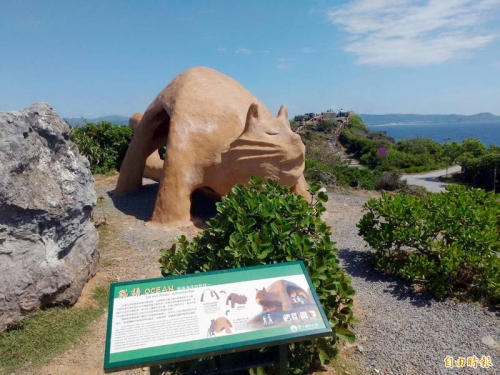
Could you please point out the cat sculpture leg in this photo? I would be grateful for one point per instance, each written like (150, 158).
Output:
(180, 178)
(301, 188)
(150, 133)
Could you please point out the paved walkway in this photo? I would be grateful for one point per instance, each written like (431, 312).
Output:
(430, 180)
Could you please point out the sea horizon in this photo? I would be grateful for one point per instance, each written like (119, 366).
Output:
(487, 132)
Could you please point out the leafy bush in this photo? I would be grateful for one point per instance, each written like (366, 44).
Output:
(406, 160)
(389, 181)
(419, 146)
(264, 224)
(326, 125)
(424, 168)
(448, 242)
(356, 144)
(481, 171)
(103, 144)
(362, 178)
(473, 146)
(355, 122)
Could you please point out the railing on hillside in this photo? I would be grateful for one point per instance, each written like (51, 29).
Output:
(342, 118)
(309, 124)
(338, 130)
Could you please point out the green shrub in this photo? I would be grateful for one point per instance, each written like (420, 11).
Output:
(448, 242)
(264, 224)
(355, 122)
(326, 125)
(103, 144)
(389, 181)
(424, 168)
(420, 146)
(482, 171)
(356, 144)
(362, 178)
(473, 146)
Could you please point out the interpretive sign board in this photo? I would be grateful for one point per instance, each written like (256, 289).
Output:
(177, 318)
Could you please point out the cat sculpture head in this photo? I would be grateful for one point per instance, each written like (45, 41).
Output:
(260, 294)
(268, 148)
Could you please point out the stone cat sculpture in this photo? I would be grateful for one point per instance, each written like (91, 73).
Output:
(281, 296)
(217, 134)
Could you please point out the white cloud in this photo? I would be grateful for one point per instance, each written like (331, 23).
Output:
(221, 49)
(414, 32)
(283, 63)
(246, 51)
(306, 50)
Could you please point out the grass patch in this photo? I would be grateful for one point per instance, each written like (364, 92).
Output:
(47, 333)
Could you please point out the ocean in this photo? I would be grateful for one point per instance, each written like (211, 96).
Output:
(488, 132)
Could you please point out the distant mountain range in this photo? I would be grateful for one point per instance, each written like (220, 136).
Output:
(119, 120)
(367, 119)
(422, 119)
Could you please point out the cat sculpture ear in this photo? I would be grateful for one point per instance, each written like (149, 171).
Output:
(252, 118)
(283, 113)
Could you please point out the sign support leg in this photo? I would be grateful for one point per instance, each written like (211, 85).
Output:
(283, 360)
(154, 370)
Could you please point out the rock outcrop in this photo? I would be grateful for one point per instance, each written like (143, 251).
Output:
(217, 135)
(48, 246)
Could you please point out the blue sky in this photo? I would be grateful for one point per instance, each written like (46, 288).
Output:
(95, 58)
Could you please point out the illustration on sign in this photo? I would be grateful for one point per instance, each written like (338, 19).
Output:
(218, 325)
(236, 298)
(213, 295)
(284, 302)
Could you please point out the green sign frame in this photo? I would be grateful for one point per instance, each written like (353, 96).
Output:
(163, 320)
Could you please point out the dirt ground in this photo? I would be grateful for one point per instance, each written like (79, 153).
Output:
(129, 250)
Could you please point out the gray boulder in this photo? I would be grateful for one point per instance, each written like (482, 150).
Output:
(48, 246)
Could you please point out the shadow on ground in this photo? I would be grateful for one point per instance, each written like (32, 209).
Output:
(140, 204)
(357, 264)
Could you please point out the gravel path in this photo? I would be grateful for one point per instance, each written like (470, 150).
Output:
(401, 331)
(430, 180)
